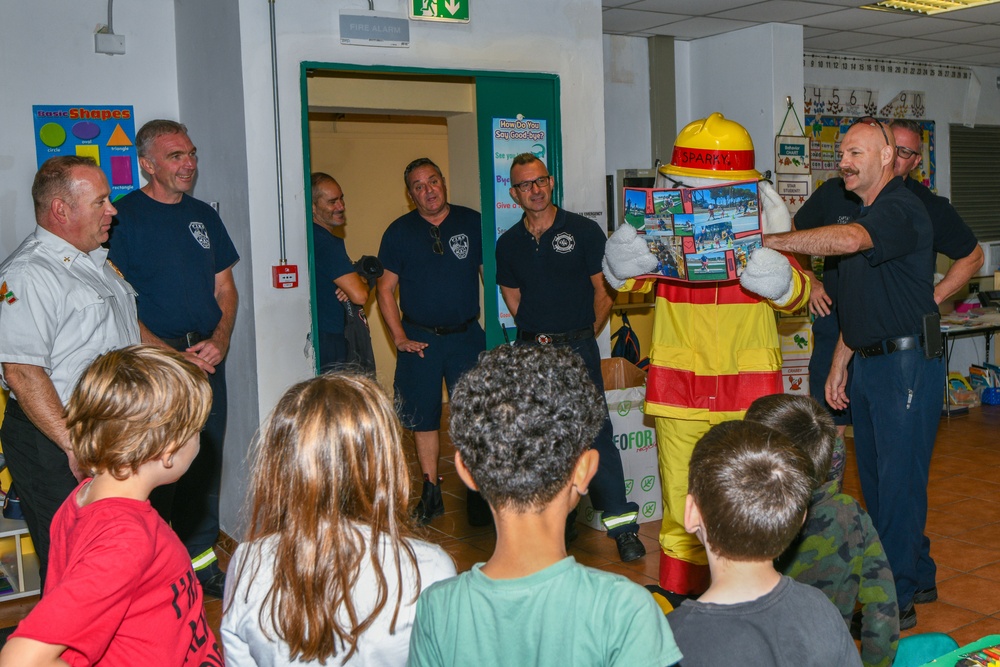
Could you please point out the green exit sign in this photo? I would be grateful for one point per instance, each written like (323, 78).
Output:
(455, 11)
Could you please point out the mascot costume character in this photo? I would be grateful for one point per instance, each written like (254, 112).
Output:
(715, 344)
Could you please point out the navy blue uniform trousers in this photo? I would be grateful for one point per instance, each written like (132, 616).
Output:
(896, 402)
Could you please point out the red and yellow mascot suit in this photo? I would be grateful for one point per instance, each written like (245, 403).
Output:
(715, 345)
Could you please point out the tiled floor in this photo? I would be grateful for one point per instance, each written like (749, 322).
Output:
(963, 524)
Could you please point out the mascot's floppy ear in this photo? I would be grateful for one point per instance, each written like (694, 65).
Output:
(774, 217)
(626, 256)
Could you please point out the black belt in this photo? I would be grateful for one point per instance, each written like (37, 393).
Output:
(443, 331)
(556, 338)
(890, 345)
(189, 339)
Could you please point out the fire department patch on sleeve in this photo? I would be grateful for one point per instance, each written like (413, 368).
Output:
(7, 294)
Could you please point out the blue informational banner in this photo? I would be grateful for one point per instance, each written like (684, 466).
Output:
(105, 133)
(511, 137)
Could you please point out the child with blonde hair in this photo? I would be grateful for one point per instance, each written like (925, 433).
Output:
(329, 568)
(120, 588)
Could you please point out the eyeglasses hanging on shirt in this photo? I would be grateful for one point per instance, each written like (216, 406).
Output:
(436, 235)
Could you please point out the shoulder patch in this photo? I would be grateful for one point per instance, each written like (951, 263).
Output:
(7, 294)
(115, 269)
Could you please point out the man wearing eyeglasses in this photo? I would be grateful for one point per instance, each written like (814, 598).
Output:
(952, 237)
(549, 272)
(888, 318)
(433, 254)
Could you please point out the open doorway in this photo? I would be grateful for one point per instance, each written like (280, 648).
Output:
(363, 131)
(364, 125)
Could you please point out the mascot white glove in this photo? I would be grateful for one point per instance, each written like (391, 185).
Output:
(774, 217)
(769, 274)
(626, 255)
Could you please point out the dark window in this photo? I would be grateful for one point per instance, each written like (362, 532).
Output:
(974, 191)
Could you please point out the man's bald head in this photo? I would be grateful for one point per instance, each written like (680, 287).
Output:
(868, 157)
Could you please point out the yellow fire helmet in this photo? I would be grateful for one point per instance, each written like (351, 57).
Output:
(715, 148)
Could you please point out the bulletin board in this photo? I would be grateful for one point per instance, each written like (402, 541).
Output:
(829, 113)
(826, 131)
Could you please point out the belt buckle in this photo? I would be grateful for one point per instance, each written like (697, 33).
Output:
(192, 338)
(543, 339)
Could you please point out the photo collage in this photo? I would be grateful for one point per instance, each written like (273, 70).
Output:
(697, 234)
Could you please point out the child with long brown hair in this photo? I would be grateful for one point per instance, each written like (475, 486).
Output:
(329, 568)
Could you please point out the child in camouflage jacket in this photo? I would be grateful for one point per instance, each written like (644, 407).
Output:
(838, 550)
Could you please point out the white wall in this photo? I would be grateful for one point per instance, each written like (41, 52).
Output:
(47, 57)
(745, 75)
(627, 134)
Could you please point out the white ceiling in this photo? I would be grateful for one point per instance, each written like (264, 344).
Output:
(967, 36)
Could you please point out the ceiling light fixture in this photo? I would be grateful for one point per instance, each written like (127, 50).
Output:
(926, 7)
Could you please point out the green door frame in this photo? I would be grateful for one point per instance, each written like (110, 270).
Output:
(494, 335)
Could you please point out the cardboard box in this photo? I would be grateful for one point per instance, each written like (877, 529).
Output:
(796, 338)
(636, 440)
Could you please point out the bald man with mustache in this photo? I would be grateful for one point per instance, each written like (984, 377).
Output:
(886, 293)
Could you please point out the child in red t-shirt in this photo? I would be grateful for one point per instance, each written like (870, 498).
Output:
(120, 588)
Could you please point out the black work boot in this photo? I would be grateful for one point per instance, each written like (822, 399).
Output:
(431, 505)
(630, 547)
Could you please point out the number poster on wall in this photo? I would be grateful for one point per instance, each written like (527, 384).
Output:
(840, 101)
(829, 113)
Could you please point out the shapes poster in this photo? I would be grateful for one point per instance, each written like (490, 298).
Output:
(698, 234)
(105, 133)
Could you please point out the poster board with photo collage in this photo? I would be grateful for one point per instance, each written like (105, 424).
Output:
(697, 234)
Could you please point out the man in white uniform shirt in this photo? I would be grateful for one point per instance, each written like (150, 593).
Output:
(63, 304)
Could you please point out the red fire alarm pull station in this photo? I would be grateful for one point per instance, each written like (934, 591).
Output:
(285, 276)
